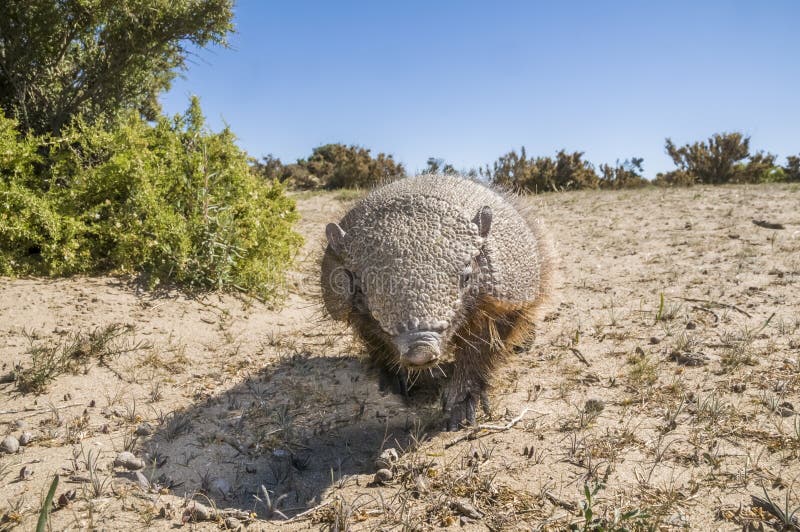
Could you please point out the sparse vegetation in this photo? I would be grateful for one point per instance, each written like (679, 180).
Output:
(724, 158)
(617, 522)
(666, 388)
(73, 354)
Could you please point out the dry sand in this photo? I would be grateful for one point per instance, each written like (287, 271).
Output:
(682, 408)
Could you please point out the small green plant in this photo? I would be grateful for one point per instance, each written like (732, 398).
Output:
(175, 424)
(643, 370)
(595, 523)
(97, 484)
(786, 515)
(44, 514)
(660, 312)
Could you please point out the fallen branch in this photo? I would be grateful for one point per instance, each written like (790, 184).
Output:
(567, 505)
(33, 411)
(768, 225)
(483, 430)
(305, 514)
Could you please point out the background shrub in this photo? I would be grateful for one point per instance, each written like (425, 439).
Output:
(172, 201)
(674, 178)
(723, 158)
(567, 171)
(333, 166)
(625, 175)
(340, 166)
(791, 171)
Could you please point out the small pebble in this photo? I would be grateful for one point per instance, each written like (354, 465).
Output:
(196, 512)
(65, 498)
(26, 472)
(144, 429)
(387, 459)
(691, 325)
(231, 523)
(383, 475)
(654, 340)
(129, 461)
(10, 445)
(594, 406)
(689, 359)
(738, 387)
(142, 481)
(465, 508)
(785, 409)
(21, 424)
(25, 438)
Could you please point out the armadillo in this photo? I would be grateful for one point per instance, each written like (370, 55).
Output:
(438, 270)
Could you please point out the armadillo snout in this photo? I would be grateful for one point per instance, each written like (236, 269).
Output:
(420, 355)
(418, 348)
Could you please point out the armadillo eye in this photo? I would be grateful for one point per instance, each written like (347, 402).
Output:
(465, 277)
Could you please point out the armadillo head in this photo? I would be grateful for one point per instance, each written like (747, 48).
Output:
(413, 266)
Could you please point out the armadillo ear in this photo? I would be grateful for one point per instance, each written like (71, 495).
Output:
(335, 236)
(484, 221)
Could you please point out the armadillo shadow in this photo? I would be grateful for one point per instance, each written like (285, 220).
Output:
(298, 427)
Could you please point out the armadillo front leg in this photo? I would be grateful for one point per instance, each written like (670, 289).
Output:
(460, 406)
(464, 392)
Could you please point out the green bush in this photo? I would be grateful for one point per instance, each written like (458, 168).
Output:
(171, 201)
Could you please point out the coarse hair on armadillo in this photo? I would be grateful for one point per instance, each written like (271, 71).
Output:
(507, 326)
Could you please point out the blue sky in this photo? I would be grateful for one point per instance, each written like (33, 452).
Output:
(468, 81)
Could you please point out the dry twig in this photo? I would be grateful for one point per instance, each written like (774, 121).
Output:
(483, 430)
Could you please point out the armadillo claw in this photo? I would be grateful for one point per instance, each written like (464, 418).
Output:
(460, 408)
(485, 404)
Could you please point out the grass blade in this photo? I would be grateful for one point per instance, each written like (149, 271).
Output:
(44, 515)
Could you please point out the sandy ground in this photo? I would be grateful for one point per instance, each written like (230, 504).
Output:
(664, 379)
